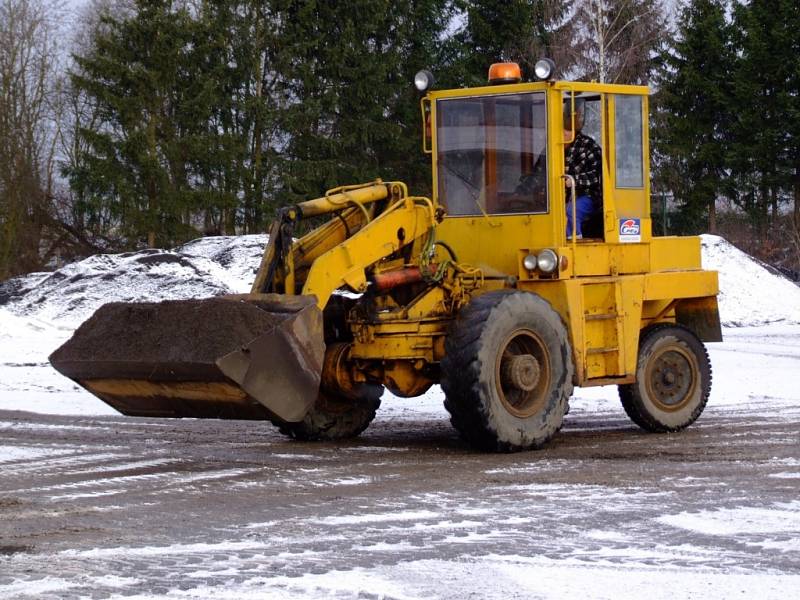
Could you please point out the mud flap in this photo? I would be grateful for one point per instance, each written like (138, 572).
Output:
(701, 315)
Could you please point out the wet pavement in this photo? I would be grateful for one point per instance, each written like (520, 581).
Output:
(113, 506)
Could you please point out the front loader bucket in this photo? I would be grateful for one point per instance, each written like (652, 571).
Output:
(253, 356)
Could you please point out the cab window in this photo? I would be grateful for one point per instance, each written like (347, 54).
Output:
(491, 154)
(628, 135)
(592, 120)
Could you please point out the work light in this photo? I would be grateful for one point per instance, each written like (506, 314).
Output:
(423, 80)
(529, 262)
(544, 69)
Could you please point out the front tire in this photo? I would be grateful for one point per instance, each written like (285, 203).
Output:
(335, 417)
(673, 380)
(507, 372)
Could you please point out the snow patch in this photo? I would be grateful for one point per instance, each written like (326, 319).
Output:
(498, 576)
(16, 453)
(35, 588)
(739, 521)
(202, 268)
(749, 293)
(410, 515)
(114, 581)
(171, 550)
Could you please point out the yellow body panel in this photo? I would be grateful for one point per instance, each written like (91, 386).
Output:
(492, 242)
(673, 253)
(602, 291)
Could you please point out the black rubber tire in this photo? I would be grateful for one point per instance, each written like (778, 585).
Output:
(475, 353)
(335, 417)
(668, 350)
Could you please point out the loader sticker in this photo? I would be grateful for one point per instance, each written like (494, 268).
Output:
(630, 231)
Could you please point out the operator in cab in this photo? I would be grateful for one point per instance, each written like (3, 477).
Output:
(582, 161)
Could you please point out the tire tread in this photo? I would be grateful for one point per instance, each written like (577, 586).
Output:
(323, 425)
(461, 370)
(630, 397)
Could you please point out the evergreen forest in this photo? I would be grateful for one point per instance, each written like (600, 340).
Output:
(134, 123)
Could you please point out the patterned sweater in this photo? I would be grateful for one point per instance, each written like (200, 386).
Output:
(583, 161)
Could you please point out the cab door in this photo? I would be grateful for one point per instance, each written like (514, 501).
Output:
(629, 169)
(592, 122)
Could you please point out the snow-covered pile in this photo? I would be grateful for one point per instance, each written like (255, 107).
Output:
(750, 294)
(205, 267)
(239, 257)
(24, 337)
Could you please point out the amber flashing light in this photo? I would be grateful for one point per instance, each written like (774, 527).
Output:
(505, 73)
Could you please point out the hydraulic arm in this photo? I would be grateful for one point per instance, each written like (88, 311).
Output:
(337, 253)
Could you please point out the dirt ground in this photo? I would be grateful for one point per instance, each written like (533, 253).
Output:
(104, 506)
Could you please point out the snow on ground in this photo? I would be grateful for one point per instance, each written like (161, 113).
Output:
(502, 577)
(202, 268)
(10, 454)
(27, 381)
(741, 520)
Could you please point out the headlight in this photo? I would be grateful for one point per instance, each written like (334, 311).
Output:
(423, 80)
(544, 69)
(529, 262)
(547, 261)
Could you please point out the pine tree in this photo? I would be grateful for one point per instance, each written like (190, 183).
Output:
(351, 113)
(521, 31)
(553, 34)
(214, 114)
(764, 151)
(139, 71)
(694, 112)
(239, 170)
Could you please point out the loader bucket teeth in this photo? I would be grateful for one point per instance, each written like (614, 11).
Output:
(254, 356)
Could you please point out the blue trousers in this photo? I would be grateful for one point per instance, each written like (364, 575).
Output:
(582, 211)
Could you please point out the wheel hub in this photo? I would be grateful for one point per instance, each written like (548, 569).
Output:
(671, 378)
(521, 372)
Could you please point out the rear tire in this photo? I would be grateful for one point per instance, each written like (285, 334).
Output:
(335, 417)
(507, 373)
(673, 380)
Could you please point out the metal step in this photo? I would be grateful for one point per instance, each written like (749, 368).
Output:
(606, 350)
(601, 317)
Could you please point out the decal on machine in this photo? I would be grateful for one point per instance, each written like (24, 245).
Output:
(630, 230)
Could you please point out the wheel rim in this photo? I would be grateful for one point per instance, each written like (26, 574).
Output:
(671, 378)
(522, 373)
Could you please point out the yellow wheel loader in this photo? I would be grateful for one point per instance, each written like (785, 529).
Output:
(480, 288)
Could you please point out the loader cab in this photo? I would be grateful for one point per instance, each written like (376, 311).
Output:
(492, 154)
(498, 156)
